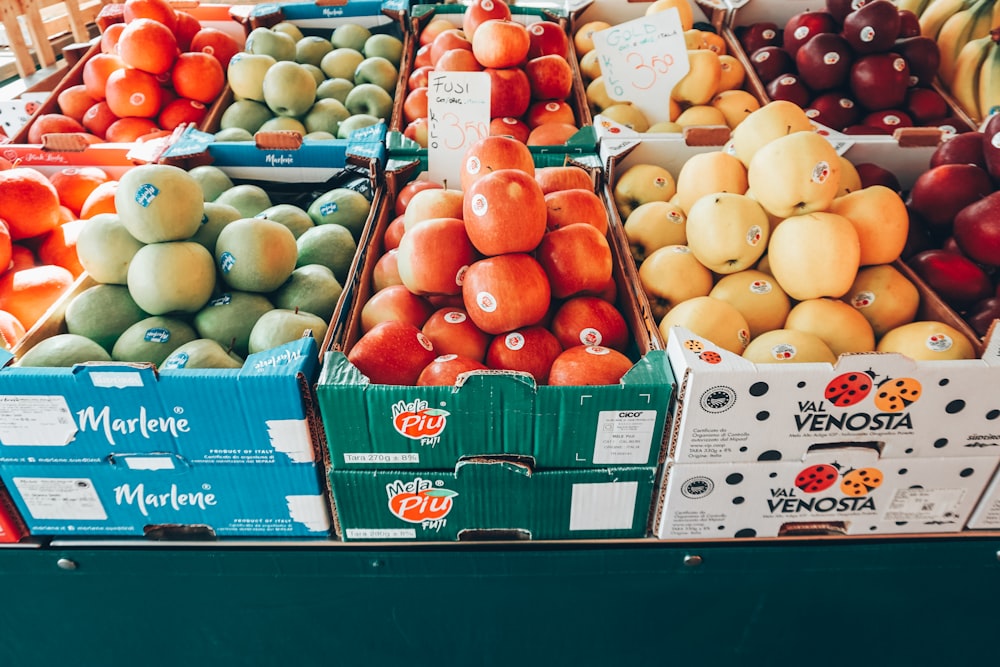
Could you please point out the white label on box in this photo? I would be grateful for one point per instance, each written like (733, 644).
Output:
(36, 420)
(603, 506)
(919, 504)
(149, 462)
(373, 457)
(116, 379)
(380, 533)
(310, 511)
(291, 437)
(61, 498)
(624, 436)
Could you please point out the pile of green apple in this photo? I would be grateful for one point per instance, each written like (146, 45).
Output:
(194, 271)
(319, 87)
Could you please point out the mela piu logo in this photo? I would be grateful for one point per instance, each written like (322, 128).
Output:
(417, 420)
(420, 501)
(848, 392)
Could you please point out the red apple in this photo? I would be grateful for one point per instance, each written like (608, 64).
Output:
(873, 174)
(833, 109)
(991, 147)
(500, 43)
(506, 292)
(925, 105)
(956, 278)
(386, 271)
(452, 331)
(982, 314)
(872, 27)
(458, 60)
(839, 9)
(889, 120)
(505, 212)
(393, 233)
(419, 77)
(480, 11)
(434, 255)
(433, 28)
(394, 302)
(492, 153)
(940, 193)
(589, 365)
(551, 134)
(880, 81)
(432, 203)
(447, 40)
(439, 301)
(417, 130)
(547, 38)
(977, 230)
(565, 207)
(550, 111)
(589, 320)
(909, 24)
(791, 88)
(962, 148)
(510, 92)
(549, 77)
(528, 350)
(802, 26)
(411, 188)
(392, 352)
(415, 105)
(563, 177)
(422, 58)
(445, 369)
(508, 126)
(758, 35)
(824, 62)
(770, 62)
(922, 56)
(576, 258)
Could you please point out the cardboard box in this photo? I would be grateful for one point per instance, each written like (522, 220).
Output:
(987, 513)
(845, 491)
(493, 413)
(493, 499)
(12, 527)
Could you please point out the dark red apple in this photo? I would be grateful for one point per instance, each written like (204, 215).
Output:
(917, 238)
(770, 62)
(791, 88)
(940, 193)
(834, 109)
(925, 105)
(865, 129)
(879, 80)
(991, 147)
(800, 27)
(977, 230)
(839, 9)
(982, 314)
(909, 24)
(951, 245)
(824, 62)
(758, 35)
(889, 120)
(964, 148)
(873, 174)
(922, 55)
(958, 280)
(872, 27)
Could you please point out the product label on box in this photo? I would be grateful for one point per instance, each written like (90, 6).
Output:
(376, 457)
(624, 436)
(603, 506)
(381, 533)
(458, 115)
(61, 498)
(35, 420)
(919, 504)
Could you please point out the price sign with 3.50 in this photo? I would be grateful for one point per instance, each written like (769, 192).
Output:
(458, 110)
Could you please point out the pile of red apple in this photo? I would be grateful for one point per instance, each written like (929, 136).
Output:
(531, 77)
(859, 71)
(956, 207)
(512, 272)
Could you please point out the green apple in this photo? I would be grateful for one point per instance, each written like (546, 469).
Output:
(310, 50)
(350, 35)
(216, 217)
(379, 71)
(202, 353)
(289, 89)
(335, 88)
(317, 74)
(356, 122)
(233, 134)
(245, 74)
(284, 325)
(341, 63)
(247, 114)
(331, 245)
(264, 41)
(312, 288)
(386, 46)
(213, 181)
(318, 136)
(291, 216)
(289, 29)
(326, 115)
(343, 206)
(283, 124)
(229, 318)
(370, 99)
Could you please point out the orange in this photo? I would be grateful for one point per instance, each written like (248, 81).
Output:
(28, 202)
(28, 293)
(147, 45)
(98, 118)
(157, 10)
(59, 247)
(216, 43)
(182, 110)
(52, 123)
(125, 130)
(198, 76)
(97, 70)
(6, 247)
(74, 184)
(187, 27)
(101, 200)
(74, 101)
(11, 330)
(133, 92)
(109, 38)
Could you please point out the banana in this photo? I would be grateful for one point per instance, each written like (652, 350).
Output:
(937, 12)
(989, 80)
(965, 82)
(957, 31)
(915, 6)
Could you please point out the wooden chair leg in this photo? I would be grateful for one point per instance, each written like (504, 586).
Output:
(22, 55)
(39, 39)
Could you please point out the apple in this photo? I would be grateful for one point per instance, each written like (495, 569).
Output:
(795, 174)
(549, 111)
(881, 220)
(576, 258)
(528, 350)
(480, 11)
(791, 88)
(589, 320)
(814, 255)
(379, 71)
(394, 302)
(833, 109)
(445, 369)
(873, 174)
(653, 226)
(839, 9)
(549, 77)
(392, 352)
(492, 153)
(887, 120)
(419, 77)
(422, 56)
(386, 270)
(590, 66)
(941, 192)
(411, 188)
(547, 38)
(598, 98)
(448, 40)
(804, 25)
(505, 292)
(369, 99)
(873, 27)
(641, 183)
(727, 232)
(824, 62)
(961, 148)
(770, 62)
(433, 256)
(922, 55)
(551, 134)
(977, 230)
(574, 205)
(415, 104)
(458, 60)
(510, 92)
(958, 280)
(991, 146)
(429, 203)
(758, 35)
(563, 177)
(505, 212)
(433, 28)
(588, 365)
(417, 130)
(452, 331)
(508, 126)
(880, 80)
(500, 43)
(982, 314)
(925, 105)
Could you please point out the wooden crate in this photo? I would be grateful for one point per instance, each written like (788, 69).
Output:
(45, 20)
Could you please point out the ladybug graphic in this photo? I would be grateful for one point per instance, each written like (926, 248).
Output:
(895, 395)
(710, 357)
(861, 481)
(817, 478)
(694, 345)
(848, 389)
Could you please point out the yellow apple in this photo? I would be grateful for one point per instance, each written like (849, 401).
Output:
(708, 173)
(671, 275)
(795, 174)
(884, 296)
(814, 255)
(701, 82)
(735, 106)
(640, 183)
(727, 232)
(879, 215)
(757, 296)
(787, 346)
(701, 114)
(712, 319)
(927, 340)
(838, 324)
(625, 114)
(652, 226)
(771, 121)
(850, 179)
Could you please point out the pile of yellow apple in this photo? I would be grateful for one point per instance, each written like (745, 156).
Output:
(772, 249)
(710, 94)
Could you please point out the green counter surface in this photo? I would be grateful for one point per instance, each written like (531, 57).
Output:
(901, 601)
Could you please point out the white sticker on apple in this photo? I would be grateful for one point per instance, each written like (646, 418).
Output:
(831, 58)
(760, 287)
(754, 235)
(486, 302)
(995, 141)
(801, 32)
(479, 204)
(867, 34)
(425, 341)
(472, 165)
(590, 336)
(939, 342)
(597, 350)
(455, 317)
(783, 351)
(460, 276)
(514, 341)
(446, 357)
(821, 172)
(863, 299)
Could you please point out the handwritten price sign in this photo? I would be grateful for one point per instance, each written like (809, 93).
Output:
(458, 108)
(642, 60)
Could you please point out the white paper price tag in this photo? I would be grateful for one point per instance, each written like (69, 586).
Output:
(642, 60)
(458, 108)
